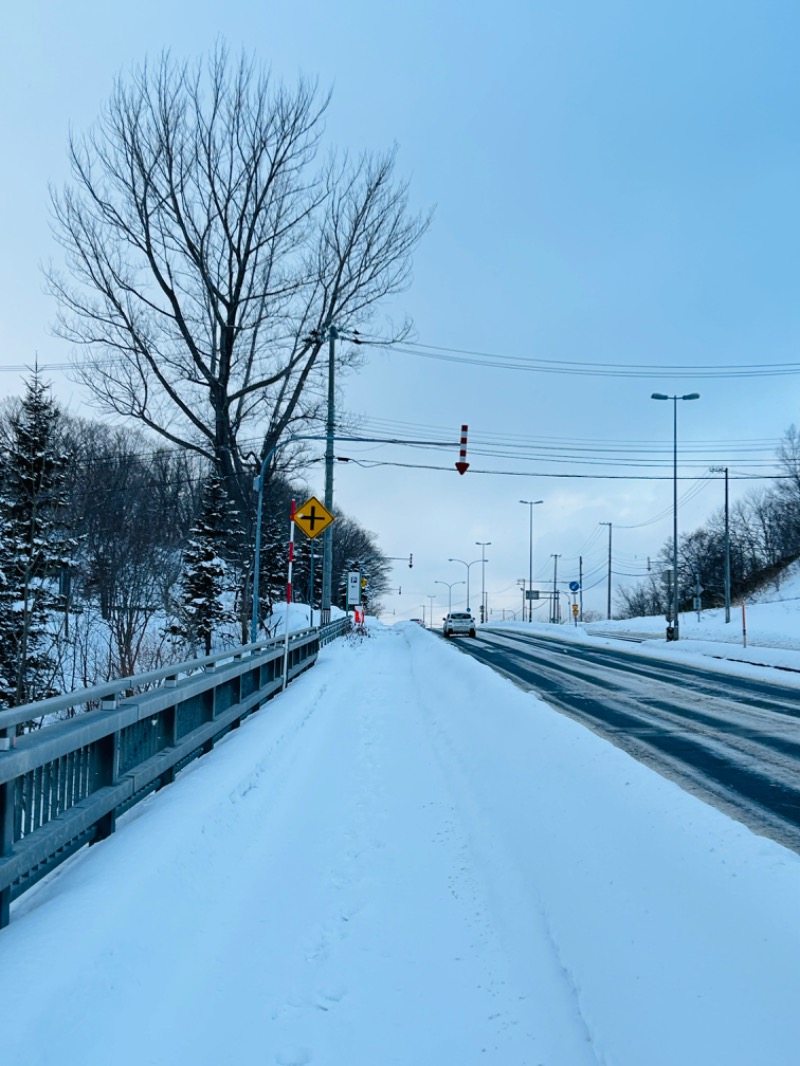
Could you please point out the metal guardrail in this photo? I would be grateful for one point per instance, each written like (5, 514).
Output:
(64, 785)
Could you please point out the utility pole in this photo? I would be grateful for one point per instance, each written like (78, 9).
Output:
(483, 545)
(556, 607)
(327, 536)
(675, 575)
(609, 567)
(727, 554)
(724, 470)
(580, 582)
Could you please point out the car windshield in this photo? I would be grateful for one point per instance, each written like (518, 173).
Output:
(461, 617)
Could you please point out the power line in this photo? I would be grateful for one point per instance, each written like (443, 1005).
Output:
(498, 361)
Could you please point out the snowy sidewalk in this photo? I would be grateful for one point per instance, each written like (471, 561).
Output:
(406, 860)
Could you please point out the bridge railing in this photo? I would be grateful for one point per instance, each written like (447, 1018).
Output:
(64, 785)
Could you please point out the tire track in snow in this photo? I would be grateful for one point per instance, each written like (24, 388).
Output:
(512, 909)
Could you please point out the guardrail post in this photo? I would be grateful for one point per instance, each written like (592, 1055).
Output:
(170, 730)
(7, 792)
(106, 773)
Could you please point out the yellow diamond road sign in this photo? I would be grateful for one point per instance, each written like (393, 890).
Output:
(313, 517)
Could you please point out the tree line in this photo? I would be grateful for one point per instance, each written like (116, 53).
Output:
(117, 556)
(763, 538)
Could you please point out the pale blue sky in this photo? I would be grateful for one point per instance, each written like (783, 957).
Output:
(614, 183)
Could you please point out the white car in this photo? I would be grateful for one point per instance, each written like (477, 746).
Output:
(459, 624)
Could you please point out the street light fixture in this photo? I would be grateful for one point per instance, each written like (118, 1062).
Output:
(531, 504)
(468, 565)
(483, 544)
(449, 592)
(675, 597)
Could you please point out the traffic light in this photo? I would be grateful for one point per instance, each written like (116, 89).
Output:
(410, 561)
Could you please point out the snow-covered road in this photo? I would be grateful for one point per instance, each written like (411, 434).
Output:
(406, 860)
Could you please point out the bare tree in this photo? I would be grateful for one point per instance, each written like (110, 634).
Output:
(208, 251)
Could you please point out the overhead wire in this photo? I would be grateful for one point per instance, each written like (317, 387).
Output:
(498, 361)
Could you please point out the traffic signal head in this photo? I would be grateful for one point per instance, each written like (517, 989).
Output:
(410, 561)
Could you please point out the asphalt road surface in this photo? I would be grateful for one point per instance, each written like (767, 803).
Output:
(732, 742)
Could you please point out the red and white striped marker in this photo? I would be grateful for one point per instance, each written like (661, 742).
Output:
(462, 466)
(288, 600)
(291, 556)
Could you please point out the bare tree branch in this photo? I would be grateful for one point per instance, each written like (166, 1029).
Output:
(207, 250)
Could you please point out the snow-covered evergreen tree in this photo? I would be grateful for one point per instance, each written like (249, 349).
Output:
(202, 610)
(35, 548)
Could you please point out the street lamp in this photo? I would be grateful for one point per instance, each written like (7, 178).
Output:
(555, 602)
(468, 565)
(531, 504)
(675, 597)
(483, 544)
(449, 591)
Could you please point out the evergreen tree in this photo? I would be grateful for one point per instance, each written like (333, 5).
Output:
(35, 547)
(204, 570)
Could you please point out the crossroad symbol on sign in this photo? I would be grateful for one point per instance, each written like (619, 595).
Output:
(313, 517)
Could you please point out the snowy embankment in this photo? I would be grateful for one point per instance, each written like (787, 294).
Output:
(769, 619)
(765, 633)
(404, 859)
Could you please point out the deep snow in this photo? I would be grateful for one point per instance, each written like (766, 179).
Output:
(404, 859)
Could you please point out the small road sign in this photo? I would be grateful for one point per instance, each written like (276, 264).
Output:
(574, 586)
(353, 588)
(313, 517)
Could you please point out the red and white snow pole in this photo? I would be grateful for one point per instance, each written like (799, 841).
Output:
(462, 466)
(288, 600)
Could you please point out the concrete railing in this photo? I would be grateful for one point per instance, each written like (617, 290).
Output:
(64, 785)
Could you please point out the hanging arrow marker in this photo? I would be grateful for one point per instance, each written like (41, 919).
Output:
(462, 466)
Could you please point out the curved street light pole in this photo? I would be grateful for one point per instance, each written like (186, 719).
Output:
(531, 504)
(483, 544)
(449, 592)
(675, 597)
(468, 565)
